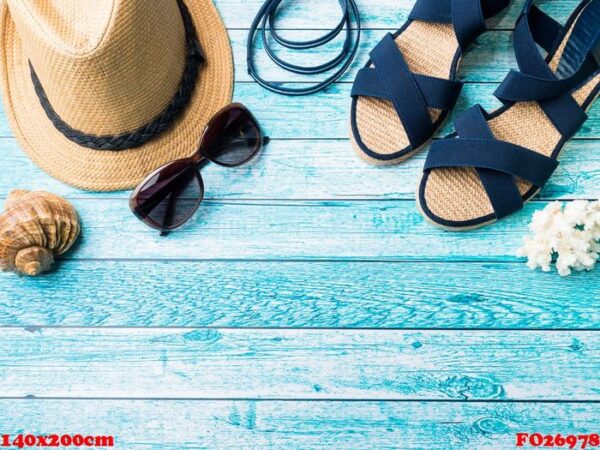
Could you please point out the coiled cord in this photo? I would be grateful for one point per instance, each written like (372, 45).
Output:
(266, 18)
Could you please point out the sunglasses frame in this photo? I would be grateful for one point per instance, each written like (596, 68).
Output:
(197, 160)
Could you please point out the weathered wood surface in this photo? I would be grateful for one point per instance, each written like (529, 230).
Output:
(318, 169)
(318, 280)
(326, 115)
(295, 230)
(301, 294)
(488, 60)
(374, 13)
(177, 425)
(299, 364)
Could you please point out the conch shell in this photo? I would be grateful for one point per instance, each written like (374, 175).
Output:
(34, 227)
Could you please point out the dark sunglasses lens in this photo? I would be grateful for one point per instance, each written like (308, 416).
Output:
(232, 138)
(171, 196)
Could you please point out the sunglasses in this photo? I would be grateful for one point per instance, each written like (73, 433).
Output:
(169, 196)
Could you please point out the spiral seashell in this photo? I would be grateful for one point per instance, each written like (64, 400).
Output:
(34, 227)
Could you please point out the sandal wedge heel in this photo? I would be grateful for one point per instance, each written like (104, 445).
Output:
(410, 84)
(496, 162)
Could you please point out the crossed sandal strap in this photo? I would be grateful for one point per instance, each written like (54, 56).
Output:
(535, 81)
(412, 94)
(497, 162)
(467, 16)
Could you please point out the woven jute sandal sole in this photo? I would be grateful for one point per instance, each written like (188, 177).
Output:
(378, 162)
(470, 182)
(376, 132)
(454, 198)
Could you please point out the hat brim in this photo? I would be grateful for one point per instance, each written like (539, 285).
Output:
(97, 170)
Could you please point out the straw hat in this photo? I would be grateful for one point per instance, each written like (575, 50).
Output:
(101, 92)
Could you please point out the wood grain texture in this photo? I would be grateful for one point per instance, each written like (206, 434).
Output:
(295, 230)
(317, 169)
(379, 305)
(488, 60)
(299, 364)
(374, 13)
(301, 294)
(178, 425)
(326, 115)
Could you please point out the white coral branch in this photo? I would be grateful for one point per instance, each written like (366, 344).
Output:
(570, 235)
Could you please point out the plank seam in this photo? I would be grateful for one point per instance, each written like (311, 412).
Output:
(315, 400)
(36, 328)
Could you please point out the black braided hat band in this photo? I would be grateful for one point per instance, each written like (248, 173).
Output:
(150, 131)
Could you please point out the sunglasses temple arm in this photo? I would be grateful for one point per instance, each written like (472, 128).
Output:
(169, 212)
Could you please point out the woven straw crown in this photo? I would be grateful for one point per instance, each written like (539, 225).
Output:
(109, 67)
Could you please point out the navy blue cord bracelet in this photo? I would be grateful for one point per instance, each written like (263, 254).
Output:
(266, 18)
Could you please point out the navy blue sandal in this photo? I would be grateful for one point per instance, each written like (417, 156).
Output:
(496, 162)
(407, 88)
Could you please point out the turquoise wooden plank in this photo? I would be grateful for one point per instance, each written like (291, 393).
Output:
(317, 169)
(488, 60)
(306, 364)
(374, 13)
(325, 116)
(177, 425)
(300, 294)
(299, 364)
(307, 230)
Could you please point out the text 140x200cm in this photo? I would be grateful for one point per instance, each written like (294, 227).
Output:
(56, 440)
